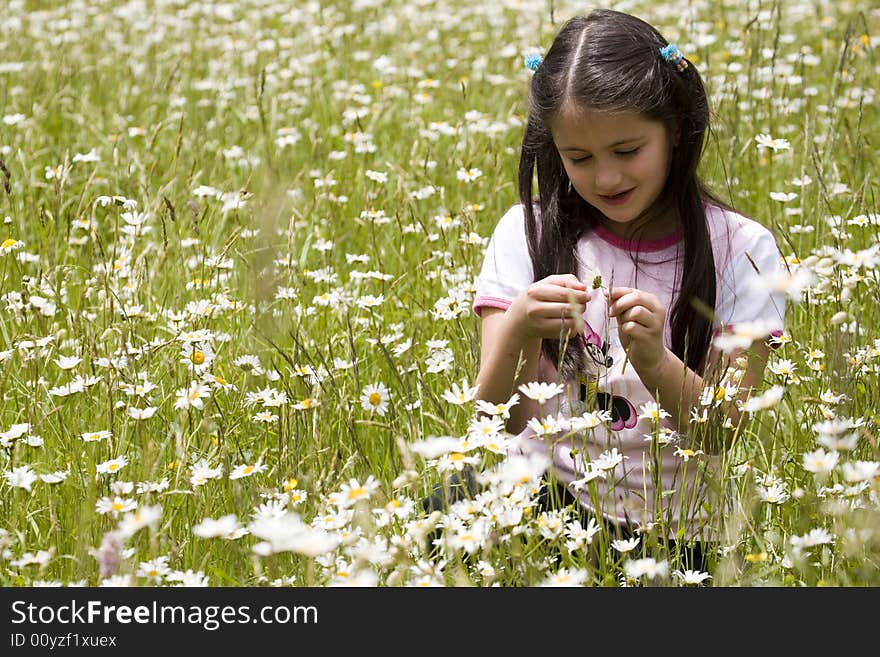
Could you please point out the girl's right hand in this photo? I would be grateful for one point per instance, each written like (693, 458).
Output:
(550, 307)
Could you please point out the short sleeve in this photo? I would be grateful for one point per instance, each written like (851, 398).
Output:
(747, 290)
(507, 267)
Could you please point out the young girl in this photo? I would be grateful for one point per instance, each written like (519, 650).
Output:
(616, 278)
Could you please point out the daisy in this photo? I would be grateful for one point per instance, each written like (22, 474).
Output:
(625, 544)
(460, 395)
(140, 390)
(590, 472)
(846, 443)
(306, 404)
(15, 431)
(153, 486)
(768, 399)
(691, 577)
(468, 175)
(115, 505)
(289, 534)
(193, 396)
(353, 491)
(818, 536)
(648, 567)
(198, 357)
(609, 460)
(112, 466)
(455, 461)
(548, 425)
(686, 454)
(541, 391)
(249, 363)
(578, 535)
(485, 428)
(501, 410)
(820, 461)
(375, 398)
(766, 141)
(435, 446)
(775, 493)
(222, 527)
(565, 578)
(10, 245)
(96, 436)
(201, 472)
(188, 579)
(248, 470)
(21, 477)
(860, 470)
(141, 413)
(783, 367)
(155, 569)
(218, 382)
(743, 335)
(590, 420)
(147, 516)
(651, 411)
(55, 477)
(41, 558)
(68, 362)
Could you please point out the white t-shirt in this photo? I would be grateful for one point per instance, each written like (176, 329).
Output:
(627, 493)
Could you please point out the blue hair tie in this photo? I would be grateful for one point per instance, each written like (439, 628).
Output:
(673, 55)
(533, 62)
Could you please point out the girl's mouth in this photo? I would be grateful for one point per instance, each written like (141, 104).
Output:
(617, 199)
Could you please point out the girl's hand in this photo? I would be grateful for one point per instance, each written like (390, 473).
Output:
(552, 306)
(640, 321)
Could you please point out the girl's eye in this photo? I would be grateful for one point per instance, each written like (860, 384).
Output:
(578, 160)
(629, 153)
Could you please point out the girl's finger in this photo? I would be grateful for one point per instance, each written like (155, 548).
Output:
(558, 310)
(561, 294)
(566, 280)
(624, 303)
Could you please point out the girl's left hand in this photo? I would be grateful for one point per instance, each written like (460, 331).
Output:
(640, 321)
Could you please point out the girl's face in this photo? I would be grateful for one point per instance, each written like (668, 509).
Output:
(618, 163)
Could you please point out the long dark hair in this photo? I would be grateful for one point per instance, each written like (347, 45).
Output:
(610, 61)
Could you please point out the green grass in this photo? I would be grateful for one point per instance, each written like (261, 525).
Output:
(283, 112)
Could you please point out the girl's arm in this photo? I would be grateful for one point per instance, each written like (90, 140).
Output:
(501, 352)
(513, 336)
(677, 388)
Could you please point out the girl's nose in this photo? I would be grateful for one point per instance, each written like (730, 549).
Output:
(608, 179)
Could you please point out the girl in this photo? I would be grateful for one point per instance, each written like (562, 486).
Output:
(616, 278)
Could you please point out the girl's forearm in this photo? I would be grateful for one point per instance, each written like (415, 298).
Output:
(498, 378)
(676, 386)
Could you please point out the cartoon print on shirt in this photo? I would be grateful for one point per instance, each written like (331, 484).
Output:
(623, 413)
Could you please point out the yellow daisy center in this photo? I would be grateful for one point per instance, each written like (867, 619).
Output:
(375, 398)
(7, 243)
(198, 357)
(355, 493)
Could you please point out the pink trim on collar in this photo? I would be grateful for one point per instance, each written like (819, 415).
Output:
(638, 245)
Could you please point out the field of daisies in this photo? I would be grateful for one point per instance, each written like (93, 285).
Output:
(237, 260)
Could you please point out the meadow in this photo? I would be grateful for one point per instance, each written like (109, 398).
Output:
(237, 262)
